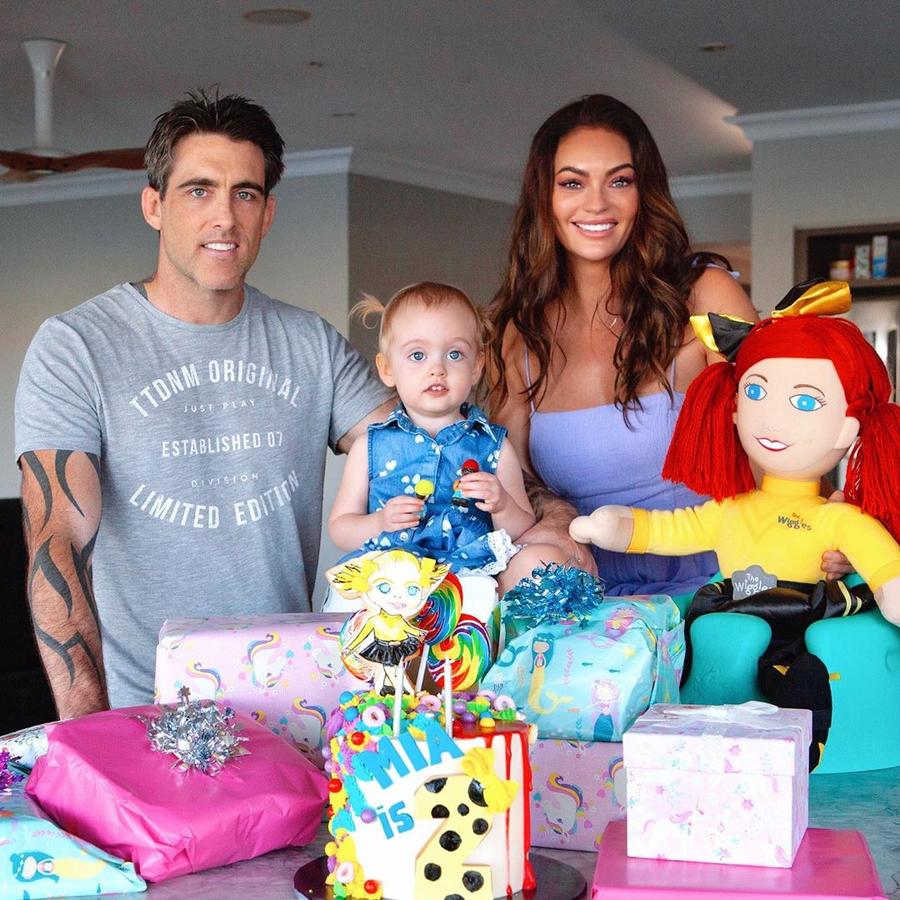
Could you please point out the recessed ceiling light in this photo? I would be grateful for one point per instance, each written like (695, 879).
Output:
(343, 115)
(276, 16)
(715, 47)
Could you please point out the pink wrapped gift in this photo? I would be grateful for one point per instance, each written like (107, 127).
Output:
(830, 865)
(102, 781)
(577, 787)
(283, 670)
(724, 784)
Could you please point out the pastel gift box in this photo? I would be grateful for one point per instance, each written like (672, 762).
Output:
(719, 784)
(590, 682)
(830, 865)
(41, 860)
(102, 780)
(27, 745)
(577, 787)
(284, 671)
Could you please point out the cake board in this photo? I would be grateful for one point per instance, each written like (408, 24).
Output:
(555, 881)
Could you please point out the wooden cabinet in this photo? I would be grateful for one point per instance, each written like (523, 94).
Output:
(815, 249)
(876, 301)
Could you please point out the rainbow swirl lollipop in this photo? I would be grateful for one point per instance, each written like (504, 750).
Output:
(441, 612)
(469, 652)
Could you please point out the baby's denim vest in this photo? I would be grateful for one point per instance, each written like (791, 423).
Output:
(400, 454)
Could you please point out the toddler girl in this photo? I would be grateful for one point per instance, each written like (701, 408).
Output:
(410, 485)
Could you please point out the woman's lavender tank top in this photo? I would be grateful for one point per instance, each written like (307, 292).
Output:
(591, 458)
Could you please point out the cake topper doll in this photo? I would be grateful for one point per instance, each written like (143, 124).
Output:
(393, 586)
(799, 391)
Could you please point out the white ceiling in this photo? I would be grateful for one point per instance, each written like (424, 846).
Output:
(459, 84)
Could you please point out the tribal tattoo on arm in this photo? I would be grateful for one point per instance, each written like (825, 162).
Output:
(61, 505)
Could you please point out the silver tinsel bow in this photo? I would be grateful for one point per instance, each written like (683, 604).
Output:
(198, 732)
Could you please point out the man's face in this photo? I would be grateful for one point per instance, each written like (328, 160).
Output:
(213, 216)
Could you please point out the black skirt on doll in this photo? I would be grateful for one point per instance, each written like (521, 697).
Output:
(391, 653)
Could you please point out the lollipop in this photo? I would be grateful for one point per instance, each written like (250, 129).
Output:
(424, 489)
(438, 617)
(469, 651)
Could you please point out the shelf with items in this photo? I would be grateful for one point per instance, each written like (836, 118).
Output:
(822, 252)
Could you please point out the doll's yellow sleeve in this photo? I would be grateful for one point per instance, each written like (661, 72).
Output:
(677, 532)
(867, 544)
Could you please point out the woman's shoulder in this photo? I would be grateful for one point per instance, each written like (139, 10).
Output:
(512, 352)
(717, 291)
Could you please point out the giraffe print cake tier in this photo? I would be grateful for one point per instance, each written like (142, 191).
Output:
(424, 815)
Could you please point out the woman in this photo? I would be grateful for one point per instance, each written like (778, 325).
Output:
(593, 349)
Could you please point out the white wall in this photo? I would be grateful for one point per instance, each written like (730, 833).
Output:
(813, 182)
(401, 233)
(723, 219)
(54, 256)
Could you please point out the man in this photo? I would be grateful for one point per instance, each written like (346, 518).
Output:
(172, 434)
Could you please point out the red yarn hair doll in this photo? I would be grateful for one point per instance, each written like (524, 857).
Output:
(801, 390)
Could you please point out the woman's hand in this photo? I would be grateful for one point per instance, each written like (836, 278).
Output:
(834, 564)
(400, 512)
(555, 530)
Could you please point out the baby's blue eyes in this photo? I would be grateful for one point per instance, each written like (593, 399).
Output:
(806, 402)
(419, 355)
(413, 591)
(755, 391)
(384, 587)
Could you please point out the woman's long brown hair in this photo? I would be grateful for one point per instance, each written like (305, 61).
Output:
(651, 276)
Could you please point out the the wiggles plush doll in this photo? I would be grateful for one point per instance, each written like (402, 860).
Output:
(799, 391)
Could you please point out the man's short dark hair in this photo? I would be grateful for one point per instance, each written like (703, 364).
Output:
(233, 116)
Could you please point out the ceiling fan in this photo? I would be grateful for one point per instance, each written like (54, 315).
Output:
(43, 158)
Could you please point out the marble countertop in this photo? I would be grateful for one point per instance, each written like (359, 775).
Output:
(865, 801)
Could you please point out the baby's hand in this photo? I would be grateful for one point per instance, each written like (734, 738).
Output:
(400, 512)
(486, 490)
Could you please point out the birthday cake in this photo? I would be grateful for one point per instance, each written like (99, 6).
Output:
(420, 813)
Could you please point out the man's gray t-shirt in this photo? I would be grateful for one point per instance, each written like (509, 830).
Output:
(212, 444)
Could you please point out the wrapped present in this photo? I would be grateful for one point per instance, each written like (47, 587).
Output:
(830, 865)
(577, 787)
(41, 860)
(27, 745)
(102, 780)
(284, 671)
(723, 784)
(589, 678)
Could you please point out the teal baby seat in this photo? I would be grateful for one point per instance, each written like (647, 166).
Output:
(861, 653)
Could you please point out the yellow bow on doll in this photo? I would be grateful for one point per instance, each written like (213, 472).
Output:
(724, 334)
(478, 763)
